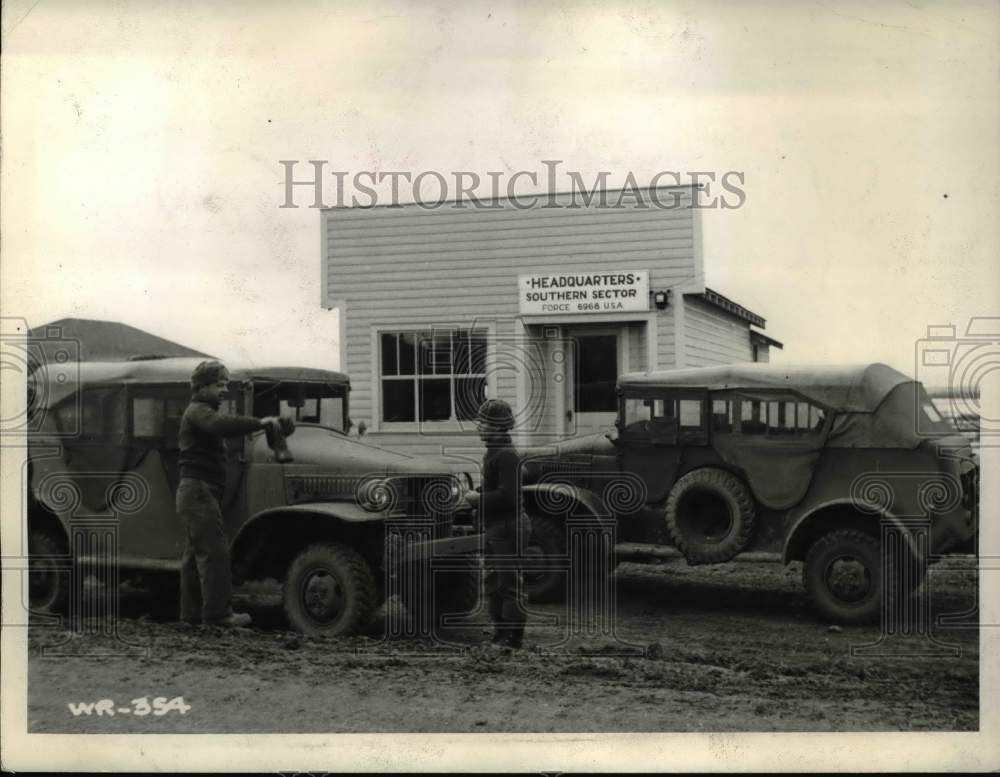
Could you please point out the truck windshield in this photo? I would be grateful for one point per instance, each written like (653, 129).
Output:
(305, 402)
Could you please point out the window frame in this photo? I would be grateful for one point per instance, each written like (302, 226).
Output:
(701, 434)
(453, 424)
(769, 398)
(78, 400)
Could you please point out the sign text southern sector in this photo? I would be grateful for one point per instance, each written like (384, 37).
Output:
(604, 292)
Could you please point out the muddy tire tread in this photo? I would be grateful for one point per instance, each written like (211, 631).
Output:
(726, 484)
(360, 578)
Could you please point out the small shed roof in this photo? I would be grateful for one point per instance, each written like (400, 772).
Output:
(109, 340)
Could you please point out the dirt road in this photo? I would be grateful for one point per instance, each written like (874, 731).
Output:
(726, 648)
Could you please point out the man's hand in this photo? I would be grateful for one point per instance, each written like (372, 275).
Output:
(279, 424)
(473, 496)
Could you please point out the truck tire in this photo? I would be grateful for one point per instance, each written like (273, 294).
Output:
(329, 591)
(547, 540)
(710, 516)
(843, 576)
(48, 581)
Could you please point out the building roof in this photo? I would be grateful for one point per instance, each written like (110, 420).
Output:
(760, 337)
(173, 370)
(851, 388)
(107, 340)
(713, 298)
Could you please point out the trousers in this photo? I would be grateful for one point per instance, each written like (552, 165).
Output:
(505, 590)
(206, 577)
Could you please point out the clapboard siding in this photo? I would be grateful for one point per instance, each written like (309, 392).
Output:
(714, 336)
(407, 267)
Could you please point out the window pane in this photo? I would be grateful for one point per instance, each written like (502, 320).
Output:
(637, 409)
(331, 412)
(390, 362)
(772, 415)
(721, 416)
(470, 393)
(802, 415)
(147, 417)
(397, 400)
(460, 352)
(477, 345)
(309, 412)
(407, 346)
(753, 417)
(435, 399)
(441, 353)
(690, 412)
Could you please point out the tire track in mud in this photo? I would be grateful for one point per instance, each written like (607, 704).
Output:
(723, 651)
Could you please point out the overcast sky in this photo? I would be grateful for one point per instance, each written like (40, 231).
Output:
(141, 143)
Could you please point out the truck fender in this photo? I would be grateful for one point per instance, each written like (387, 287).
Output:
(559, 499)
(799, 524)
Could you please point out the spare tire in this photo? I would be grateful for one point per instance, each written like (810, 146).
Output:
(710, 516)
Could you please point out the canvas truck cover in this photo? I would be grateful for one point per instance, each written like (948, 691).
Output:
(849, 389)
(873, 405)
(164, 371)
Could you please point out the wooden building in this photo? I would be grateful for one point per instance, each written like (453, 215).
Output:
(543, 307)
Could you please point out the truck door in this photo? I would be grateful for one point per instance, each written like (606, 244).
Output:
(153, 531)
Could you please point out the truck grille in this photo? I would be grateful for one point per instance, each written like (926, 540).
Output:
(426, 499)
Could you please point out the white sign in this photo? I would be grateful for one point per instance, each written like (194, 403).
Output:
(610, 291)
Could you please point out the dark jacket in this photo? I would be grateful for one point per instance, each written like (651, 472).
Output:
(500, 502)
(202, 450)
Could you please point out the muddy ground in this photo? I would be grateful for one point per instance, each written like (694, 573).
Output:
(725, 648)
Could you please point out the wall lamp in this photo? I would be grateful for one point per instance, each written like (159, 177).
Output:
(661, 299)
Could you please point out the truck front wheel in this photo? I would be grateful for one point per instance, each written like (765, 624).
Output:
(329, 591)
(843, 576)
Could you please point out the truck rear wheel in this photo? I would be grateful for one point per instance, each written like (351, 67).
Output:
(710, 516)
(329, 591)
(843, 576)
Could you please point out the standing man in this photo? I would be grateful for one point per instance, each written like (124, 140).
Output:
(506, 526)
(206, 577)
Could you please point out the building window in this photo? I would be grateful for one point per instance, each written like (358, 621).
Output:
(432, 375)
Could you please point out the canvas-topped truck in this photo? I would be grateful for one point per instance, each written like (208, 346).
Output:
(336, 525)
(805, 464)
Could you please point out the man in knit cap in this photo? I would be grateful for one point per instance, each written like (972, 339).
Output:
(206, 576)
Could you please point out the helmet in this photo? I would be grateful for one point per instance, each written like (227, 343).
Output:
(496, 413)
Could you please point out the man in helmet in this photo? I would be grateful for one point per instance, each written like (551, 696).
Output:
(504, 521)
(206, 576)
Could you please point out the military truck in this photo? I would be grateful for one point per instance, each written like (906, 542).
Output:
(333, 525)
(770, 462)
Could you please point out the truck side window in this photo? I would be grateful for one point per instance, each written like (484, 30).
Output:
(147, 417)
(97, 413)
